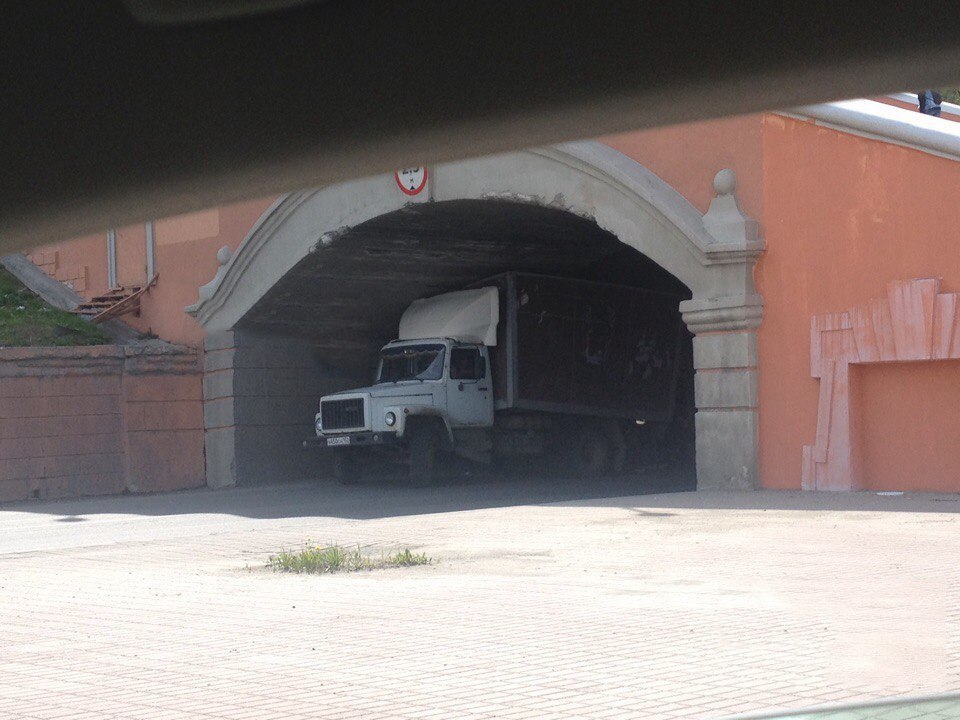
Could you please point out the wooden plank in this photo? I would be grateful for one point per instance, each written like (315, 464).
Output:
(130, 303)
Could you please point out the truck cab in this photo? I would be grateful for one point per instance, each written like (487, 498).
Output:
(437, 379)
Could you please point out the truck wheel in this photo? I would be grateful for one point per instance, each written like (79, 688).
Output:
(592, 452)
(346, 469)
(618, 445)
(424, 445)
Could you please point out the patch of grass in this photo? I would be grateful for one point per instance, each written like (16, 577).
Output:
(26, 320)
(334, 558)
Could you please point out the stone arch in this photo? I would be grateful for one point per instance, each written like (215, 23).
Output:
(712, 254)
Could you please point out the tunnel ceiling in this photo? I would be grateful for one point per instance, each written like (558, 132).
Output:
(347, 297)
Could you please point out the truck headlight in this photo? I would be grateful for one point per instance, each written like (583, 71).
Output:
(318, 424)
(390, 419)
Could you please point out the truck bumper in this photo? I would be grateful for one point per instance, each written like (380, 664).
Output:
(358, 439)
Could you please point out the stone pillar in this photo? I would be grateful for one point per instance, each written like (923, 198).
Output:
(724, 321)
(220, 428)
(260, 396)
(725, 362)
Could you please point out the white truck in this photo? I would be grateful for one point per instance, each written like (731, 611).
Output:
(521, 364)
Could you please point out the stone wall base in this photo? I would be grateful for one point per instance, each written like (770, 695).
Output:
(99, 420)
(260, 397)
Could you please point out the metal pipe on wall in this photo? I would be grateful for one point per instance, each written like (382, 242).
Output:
(151, 252)
(112, 258)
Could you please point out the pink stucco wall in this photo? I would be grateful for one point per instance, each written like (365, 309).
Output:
(908, 418)
(99, 420)
(844, 216)
(81, 263)
(687, 157)
(913, 325)
(185, 259)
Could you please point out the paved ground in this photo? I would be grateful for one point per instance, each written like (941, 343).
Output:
(692, 605)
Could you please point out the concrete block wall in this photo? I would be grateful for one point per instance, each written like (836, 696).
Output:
(260, 397)
(163, 432)
(99, 420)
(76, 277)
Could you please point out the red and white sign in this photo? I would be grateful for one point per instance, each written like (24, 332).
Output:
(411, 181)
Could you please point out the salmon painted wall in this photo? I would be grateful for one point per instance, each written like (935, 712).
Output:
(131, 255)
(186, 249)
(81, 263)
(185, 259)
(908, 434)
(844, 215)
(687, 157)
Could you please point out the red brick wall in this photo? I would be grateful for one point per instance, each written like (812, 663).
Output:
(99, 420)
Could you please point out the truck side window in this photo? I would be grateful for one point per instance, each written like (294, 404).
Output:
(466, 364)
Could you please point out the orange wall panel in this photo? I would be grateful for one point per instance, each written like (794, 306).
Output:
(189, 227)
(907, 420)
(687, 157)
(844, 215)
(185, 260)
(131, 255)
(81, 263)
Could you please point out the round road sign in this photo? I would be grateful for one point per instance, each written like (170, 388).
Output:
(411, 181)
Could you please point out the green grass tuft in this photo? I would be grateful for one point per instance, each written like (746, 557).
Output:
(26, 320)
(334, 558)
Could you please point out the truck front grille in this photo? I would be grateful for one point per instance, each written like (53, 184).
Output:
(342, 414)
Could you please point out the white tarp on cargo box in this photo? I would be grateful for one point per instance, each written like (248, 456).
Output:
(467, 315)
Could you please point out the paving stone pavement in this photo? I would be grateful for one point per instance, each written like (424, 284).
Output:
(694, 605)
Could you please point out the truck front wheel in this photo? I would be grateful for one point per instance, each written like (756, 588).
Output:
(346, 469)
(424, 444)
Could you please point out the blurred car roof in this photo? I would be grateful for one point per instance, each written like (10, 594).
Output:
(124, 110)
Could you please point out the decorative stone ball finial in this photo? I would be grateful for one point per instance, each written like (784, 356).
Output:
(725, 182)
(206, 291)
(724, 220)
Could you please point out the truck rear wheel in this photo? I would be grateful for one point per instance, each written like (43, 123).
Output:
(592, 452)
(346, 469)
(424, 444)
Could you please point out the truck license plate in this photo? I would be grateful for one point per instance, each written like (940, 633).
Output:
(338, 441)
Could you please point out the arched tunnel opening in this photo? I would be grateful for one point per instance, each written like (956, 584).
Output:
(320, 328)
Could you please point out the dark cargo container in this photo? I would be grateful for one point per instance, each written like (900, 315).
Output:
(579, 347)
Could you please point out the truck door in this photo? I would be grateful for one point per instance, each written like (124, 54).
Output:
(470, 393)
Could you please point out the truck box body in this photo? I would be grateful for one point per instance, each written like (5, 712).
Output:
(579, 347)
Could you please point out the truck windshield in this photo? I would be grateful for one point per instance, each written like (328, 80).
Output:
(411, 362)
